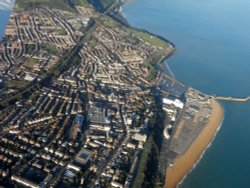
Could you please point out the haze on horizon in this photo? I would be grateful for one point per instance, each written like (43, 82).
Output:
(6, 4)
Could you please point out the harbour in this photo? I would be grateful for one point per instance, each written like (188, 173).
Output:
(194, 65)
(211, 46)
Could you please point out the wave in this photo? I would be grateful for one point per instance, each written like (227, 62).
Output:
(203, 153)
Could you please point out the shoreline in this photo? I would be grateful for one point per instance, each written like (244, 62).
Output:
(185, 163)
(201, 156)
(162, 61)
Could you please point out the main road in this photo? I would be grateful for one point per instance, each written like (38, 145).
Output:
(123, 141)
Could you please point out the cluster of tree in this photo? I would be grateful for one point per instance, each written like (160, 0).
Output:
(148, 175)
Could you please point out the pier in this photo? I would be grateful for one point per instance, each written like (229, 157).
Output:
(233, 99)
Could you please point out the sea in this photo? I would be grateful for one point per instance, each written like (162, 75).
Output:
(4, 15)
(213, 55)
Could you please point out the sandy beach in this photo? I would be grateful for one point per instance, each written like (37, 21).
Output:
(183, 164)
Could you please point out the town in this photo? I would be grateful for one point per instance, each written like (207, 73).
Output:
(34, 42)
(88, 125)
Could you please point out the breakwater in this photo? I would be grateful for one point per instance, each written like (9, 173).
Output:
(232, 99)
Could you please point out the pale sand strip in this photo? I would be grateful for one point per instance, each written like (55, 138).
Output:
(183, 164)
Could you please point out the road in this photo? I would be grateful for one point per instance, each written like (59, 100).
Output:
(123, 141)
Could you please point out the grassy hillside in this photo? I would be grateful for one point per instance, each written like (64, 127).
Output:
(100, 5)
(60, 4)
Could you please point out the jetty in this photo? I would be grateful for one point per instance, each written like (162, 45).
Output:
(233, 99)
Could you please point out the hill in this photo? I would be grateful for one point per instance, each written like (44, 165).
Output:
(101, 5)
(60, 4)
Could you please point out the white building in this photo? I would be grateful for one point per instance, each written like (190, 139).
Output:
(176, 102)
(140, 137)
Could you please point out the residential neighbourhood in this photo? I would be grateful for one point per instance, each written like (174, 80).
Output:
(87, 99)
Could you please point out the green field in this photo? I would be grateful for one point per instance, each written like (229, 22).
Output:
(150, 39)
(30, 63)
(50, 49)
(17, 84)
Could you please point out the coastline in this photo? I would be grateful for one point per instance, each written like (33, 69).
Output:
(183, 164)
(162, 61)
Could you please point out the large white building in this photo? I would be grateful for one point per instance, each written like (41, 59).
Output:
(140, 137)
(176, 102)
